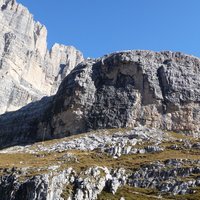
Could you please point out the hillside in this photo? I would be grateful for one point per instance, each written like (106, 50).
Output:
(138, 163)
(124, 126)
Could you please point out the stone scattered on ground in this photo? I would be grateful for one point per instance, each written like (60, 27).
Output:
(167, 176)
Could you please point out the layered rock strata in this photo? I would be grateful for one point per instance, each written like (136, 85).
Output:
(28, 70)
(124, 89)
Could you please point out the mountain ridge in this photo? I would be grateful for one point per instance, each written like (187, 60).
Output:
(123, 126)
(29, 70)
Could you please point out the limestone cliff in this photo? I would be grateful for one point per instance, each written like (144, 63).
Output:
(128, 89)
(28, 70)
(129, 105)
(124, 89)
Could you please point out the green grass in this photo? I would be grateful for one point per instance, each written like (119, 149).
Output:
(67, 192)
(92, 158)
(130, 193)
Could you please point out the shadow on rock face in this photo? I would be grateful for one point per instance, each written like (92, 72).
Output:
(126, 89)
(20, 127)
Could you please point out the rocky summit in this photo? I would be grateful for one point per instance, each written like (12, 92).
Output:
(28, 70)
(121, 127)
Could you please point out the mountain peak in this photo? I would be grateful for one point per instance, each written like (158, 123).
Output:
(123, 126)
(28, 71)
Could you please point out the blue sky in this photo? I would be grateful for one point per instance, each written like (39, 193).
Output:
(98, 27)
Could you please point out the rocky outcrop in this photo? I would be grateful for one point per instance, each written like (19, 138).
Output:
(168, 177)
(28, 70)
(115, 145)
(144, 94)
(124, 89)
(128, 89)
(40, 187)
(83, 167)
(86, 186)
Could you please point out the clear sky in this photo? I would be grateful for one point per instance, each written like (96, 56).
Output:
(98, 27)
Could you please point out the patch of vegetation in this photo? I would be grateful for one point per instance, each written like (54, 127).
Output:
(130, 193)
(67, 192)
(182, 136)
(195, 196)
(92, 158)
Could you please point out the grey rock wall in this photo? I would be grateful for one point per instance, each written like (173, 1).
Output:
(124, 89)
(28, 70)
(128, 89)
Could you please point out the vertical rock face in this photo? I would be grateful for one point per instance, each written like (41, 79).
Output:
(130, 89)
(28, 70)
(124, 89)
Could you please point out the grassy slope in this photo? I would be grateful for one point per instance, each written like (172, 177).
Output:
(95, 158)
